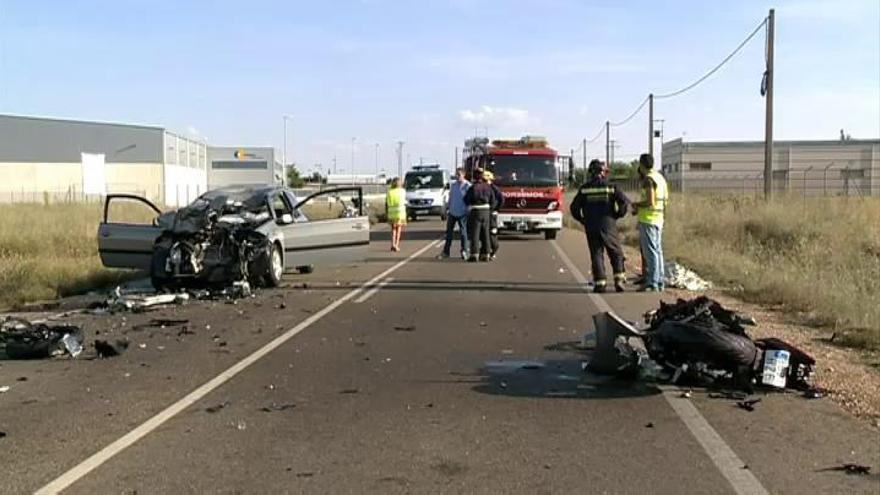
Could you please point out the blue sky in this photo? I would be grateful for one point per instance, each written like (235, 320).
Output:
(429, 73)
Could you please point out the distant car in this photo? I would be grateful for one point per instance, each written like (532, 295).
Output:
(427, 191)
(253, 233)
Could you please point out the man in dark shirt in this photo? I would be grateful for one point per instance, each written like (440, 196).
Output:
(597, 206)
(480, 198)
(489, 177)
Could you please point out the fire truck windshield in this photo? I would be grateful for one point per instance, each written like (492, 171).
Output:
(423, 180)
(524, 170)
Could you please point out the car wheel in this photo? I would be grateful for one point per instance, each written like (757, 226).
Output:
(275, 270)
(305, 270)
(550, 234)
(159, 277)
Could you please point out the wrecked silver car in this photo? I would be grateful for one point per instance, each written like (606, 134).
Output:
(250, 233)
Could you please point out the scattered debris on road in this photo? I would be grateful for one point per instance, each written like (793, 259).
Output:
(680, 277)
(108, 349)
(273, 407)
(138, 301)
(4, 389)
(748, 405)
(851, 468)
(217, 408)
(407, 328)
(349, 391)
(22, 339)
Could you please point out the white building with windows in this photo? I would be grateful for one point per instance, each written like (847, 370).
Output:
(844, 167)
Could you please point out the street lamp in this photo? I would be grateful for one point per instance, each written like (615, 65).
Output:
(353, 140)
(285, 118)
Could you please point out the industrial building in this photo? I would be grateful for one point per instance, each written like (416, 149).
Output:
(43, 159)
(840, 167)
(230, 165)
(47, 159)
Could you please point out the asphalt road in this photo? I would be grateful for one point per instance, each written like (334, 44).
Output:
(451, 377)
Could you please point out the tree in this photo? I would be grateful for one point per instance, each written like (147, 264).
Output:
(293, 178)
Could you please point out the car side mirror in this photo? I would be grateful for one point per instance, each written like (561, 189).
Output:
(285, 219)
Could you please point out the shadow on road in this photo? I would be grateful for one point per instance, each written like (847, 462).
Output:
(476, 286)
(554, 379)
(408, 235)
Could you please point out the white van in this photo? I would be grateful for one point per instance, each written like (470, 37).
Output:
(427, 191)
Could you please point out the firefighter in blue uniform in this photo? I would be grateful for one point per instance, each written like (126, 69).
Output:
(597, 206)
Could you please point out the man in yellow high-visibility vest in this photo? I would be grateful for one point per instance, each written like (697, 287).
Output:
(651, 210)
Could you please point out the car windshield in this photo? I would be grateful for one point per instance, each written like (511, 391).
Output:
(423, 180)
(524, 170)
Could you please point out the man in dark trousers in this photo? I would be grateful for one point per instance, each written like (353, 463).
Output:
(489, 177)
(597, 206)
(480, 198)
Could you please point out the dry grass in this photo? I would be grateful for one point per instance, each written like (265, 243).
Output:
(47, 251)
(817, 259)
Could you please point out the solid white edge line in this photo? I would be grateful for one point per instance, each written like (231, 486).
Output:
(75, 473)
(743, 481)
(731, 466)
(597, 300)
(373, 290)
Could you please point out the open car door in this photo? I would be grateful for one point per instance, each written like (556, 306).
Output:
(320, 241)
(128, 231)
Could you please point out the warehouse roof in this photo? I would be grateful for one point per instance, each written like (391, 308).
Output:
(749, 144)
(79, 121)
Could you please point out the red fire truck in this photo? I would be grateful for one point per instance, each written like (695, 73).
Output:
(526, 171)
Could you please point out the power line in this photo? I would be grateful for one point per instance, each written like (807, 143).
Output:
(635, 112)
(715, 69)
(598, 134)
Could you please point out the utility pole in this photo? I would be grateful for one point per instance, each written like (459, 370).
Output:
(612, 144)
(584, 144)
(768, 122)
(400, 159)
(651, 124)
(607, 143)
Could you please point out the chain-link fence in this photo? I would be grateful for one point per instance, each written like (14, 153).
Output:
(807, 182)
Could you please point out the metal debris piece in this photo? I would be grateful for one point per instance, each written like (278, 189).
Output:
(273, 407)
(407, 328)
(850, 468)
(748, 405)
(106, 349)
(217, 408)
(26, 340)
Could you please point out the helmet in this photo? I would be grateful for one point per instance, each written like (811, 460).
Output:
(488, 175)
(597, 168)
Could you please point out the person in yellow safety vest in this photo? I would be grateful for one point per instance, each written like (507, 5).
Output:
(395, 208)
(651, 210)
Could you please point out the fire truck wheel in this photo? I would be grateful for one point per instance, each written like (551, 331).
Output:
(550, 235)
